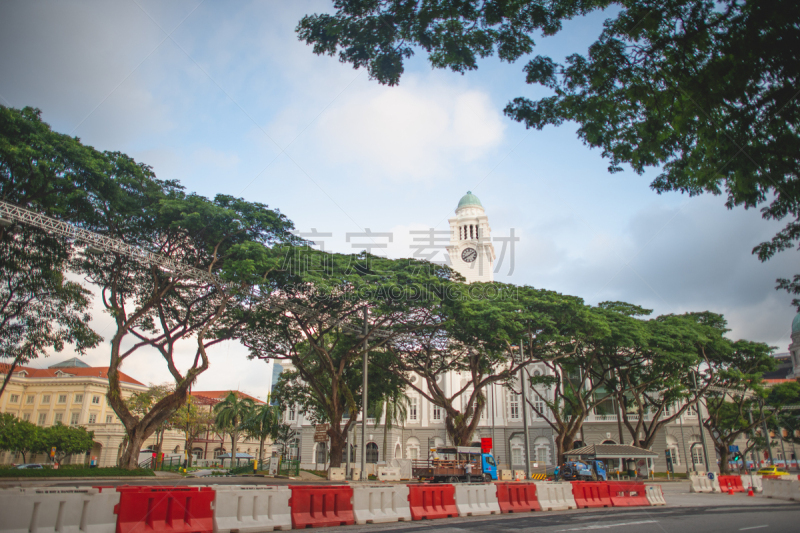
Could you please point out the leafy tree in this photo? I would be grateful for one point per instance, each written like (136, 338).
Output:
(475, 334)
(319, 325)
(67, 440)
(284, 434)
(142, 402)
(263, 422)
(229, 415)
(738, 394)
(19, 436)
(156, 307)
(55, 174)
(783, 399)
(705, 91)
(650, 364)
(193, 422)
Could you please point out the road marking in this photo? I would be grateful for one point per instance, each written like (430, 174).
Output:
(754, 527)
(607, 526)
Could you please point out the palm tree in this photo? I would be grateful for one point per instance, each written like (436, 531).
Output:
(229, 415)
(396, 405)
(263, 421)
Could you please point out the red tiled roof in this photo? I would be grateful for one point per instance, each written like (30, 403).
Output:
(218, 395)
(92, 371)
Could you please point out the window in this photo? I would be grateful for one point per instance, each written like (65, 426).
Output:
(690, 411)
(42, 419)
(697, 456)
(14, 398)
(513, 406)
(437, 412)
(79, 398)
(62, 398)
(412, 409)
(59, 418)
(96, 400)
(46, 398)
(26, 417)
(322, 453)
(539, 406)
(292, 415)
(92, 418)
(516, 456)
(73, 419)
(372, 452)
(541, 454)
(109, 419)
(30, 399)
(413, 453)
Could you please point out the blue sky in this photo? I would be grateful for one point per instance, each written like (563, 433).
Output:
(224, 98)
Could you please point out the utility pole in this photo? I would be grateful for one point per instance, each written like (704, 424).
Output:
(525, 415)
(347, 448)
(766, 434)
(700, 422)
(364, 402)
(686, 458)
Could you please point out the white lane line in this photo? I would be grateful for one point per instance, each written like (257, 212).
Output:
(607, 526)
(754, 527)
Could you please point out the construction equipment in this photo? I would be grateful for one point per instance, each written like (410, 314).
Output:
(449, 465)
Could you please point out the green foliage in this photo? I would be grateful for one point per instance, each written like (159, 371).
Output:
(230, 414)
(109, 472)
(67, 440)
(19, 436)
(705, 91)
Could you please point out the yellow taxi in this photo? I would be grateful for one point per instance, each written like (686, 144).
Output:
(772, 471)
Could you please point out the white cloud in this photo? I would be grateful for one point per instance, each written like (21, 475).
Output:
(415, 131)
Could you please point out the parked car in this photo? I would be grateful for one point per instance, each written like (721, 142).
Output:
(28, 465)
(772, 471)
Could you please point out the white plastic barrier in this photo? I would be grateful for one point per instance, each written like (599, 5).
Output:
(404, 465)
(506, 475)
(756, 482)
(251, 508)
(387, 473)
(476, 499)
(58, 510)
(715, 483)
(356, 474)
(555, 495)
(377, 504)
(781, 489)
(336, 473)
(655, 495)
(701, 483)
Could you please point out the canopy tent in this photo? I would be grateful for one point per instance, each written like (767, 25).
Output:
(611, 451)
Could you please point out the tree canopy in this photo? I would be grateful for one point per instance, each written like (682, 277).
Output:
(704, 91)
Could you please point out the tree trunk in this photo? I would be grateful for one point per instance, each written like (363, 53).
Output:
(722, 450)
(260, 451)
(234, 438)
(337, 446)
(130, 456)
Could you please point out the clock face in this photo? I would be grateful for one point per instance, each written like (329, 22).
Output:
(469, 255)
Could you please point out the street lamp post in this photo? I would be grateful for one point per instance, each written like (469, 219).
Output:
(525, 416)
(364, 403)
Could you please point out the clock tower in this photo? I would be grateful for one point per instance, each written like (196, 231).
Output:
(471, 250)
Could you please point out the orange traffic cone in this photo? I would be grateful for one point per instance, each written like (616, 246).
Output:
(730, 490)
(750, 491)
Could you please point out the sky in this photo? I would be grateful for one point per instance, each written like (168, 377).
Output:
(224, 98)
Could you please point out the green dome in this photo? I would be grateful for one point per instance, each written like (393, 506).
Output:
(796, 324)
(468, 199)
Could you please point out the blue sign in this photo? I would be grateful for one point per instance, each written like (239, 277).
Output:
(711, 476)
(733, 448)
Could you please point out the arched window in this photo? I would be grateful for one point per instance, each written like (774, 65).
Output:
(372, 452)
(412, 448)
(517, 452)
(322, 453)
(672, 446)
(698, 458)
(198, 453)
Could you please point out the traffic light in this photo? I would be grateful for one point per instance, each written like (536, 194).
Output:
(737, 456)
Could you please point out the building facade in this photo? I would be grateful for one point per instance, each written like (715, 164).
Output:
(73, 393)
